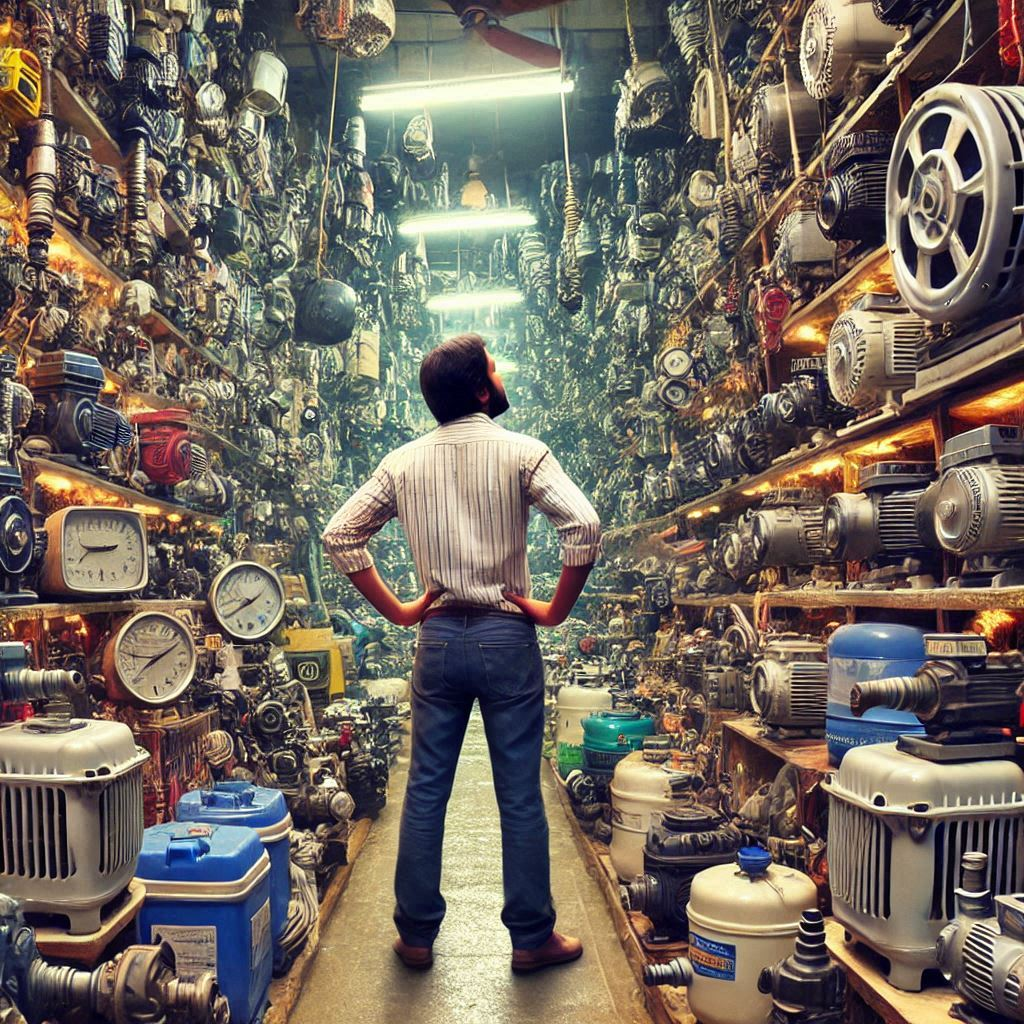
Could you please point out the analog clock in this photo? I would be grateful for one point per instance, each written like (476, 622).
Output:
(150, 659)
(94, 550)
(247, 600)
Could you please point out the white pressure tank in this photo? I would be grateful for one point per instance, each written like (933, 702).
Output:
(743, 917)
(640, 792)
(573, 704)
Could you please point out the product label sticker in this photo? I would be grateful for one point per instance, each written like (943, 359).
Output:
(259, 930)
(712, 959)
(627, 819)
(195, 948)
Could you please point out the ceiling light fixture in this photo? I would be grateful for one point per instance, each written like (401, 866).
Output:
(418, 95)
(449, 223)
(474, 300)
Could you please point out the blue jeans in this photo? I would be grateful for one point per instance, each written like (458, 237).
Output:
(493, 658)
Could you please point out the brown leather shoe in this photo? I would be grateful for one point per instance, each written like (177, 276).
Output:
(559, 949)
(417, 958)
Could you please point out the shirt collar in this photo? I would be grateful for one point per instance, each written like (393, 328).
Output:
(474, 418)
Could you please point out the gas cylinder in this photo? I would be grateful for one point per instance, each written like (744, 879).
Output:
(640, 793)
(861, 652)
(574, 703)
(743, 916)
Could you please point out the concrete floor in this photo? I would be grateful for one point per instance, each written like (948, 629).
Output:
(357, 978)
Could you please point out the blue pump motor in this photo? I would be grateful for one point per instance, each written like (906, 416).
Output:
(265, 810)
(208, 896)
(859, 652)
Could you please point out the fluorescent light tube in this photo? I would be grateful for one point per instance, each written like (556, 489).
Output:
(448, 222)
(482, 89)
(474, 300)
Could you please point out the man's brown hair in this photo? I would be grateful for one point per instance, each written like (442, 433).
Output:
(452, 375)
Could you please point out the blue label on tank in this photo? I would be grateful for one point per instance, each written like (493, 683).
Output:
(712, 959)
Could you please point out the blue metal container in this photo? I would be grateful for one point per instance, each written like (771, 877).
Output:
(609, 736)
(208, 895)
(265, 811)
(864, 651)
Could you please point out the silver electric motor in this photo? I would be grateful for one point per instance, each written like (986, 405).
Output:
(979, 506)
(789, 688)
(789, 529)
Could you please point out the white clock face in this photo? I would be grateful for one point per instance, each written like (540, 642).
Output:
(104, 550)
(154, 657)
(247, 600)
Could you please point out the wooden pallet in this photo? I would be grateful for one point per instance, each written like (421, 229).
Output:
(284, 992)
(666, 1005)
(867, 983)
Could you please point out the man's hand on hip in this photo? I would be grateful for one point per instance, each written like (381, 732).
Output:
(379, 594)
(555, 611)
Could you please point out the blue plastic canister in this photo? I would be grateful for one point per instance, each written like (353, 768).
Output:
(259, 808)
(208, 895)
(865, 651)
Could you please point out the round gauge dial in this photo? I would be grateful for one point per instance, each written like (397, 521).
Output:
(95, 551)
(152, 658)
(247, 600)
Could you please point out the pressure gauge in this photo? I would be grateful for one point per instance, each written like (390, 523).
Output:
(150, 660)
(247, 600)
(94, 550)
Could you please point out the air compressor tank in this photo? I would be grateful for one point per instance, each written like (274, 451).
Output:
(743, 916)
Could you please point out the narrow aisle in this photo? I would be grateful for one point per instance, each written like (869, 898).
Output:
(356, 976)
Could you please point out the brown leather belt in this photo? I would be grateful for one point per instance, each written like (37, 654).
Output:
(469, 611)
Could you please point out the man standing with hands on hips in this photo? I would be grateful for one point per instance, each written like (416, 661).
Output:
(463, 494)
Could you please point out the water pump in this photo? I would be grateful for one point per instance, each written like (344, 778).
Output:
(965, 696)
(981, 952)
(139, 986)
(807, 987)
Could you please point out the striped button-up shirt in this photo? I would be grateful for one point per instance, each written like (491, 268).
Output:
(463, 494)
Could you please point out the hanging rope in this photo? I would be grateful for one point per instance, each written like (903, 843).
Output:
(570, 280)
(633, 55)
(321, 242)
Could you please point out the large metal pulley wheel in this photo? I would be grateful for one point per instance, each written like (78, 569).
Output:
(954, 213)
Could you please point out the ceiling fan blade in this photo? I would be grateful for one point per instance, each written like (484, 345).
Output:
(531, 51)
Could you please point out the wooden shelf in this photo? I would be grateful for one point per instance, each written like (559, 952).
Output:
(612, 598)
(940, 598)
(163, 330)
(71, 109)
(83, 606)
(809, 755)
(715, 601)
(117, 494)
(864, 976)
(807, 327)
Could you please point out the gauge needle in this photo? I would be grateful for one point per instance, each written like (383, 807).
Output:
(152, 661)
(97, 548)
(245, 604)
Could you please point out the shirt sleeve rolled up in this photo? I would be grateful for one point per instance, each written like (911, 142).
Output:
(566, 508)
(352, 526)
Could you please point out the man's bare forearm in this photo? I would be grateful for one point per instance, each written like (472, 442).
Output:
(382, 597)
(554, 612)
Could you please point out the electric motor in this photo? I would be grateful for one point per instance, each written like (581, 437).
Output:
(873, 351)
(893, 514)
(953, 175)
(789, 687)
(852, 201)
(685, 841)
(981, 952)
(790, 535)
(769, 120)
(979, 505)
(838, 39)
